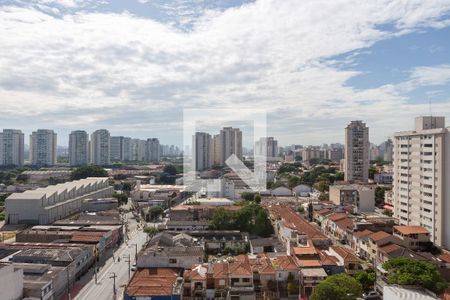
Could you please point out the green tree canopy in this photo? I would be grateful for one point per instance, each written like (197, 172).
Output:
(122, 198)
(151, 231)
(366, 279)
(409, 271)
(170, 169)
(337, 287)
(250, 218)
(88, 171)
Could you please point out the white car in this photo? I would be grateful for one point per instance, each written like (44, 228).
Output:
(371, 295)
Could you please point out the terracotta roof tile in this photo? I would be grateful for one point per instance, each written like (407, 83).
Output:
(379, 235)
(411, 230)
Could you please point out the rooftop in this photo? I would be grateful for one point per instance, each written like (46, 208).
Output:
(153, 282)
(379, 235)
(407, 230)
(313, 272)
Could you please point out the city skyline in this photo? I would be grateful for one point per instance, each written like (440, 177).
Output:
(133, 67)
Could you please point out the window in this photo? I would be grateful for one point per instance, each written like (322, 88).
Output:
(172, 260)
(221, 282)
(245, 279)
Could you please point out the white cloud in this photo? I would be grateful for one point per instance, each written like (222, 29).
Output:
(278, 55)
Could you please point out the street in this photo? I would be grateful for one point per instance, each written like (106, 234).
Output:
(103, 289)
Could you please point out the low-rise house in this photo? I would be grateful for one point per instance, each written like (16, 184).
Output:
(217, 241)
(168, 251)
(413, 237)
(320, 215)
(377, 240)
(361, 197)
(391, 251)
(187, 225)
(43, 281)
(360, 243)
(241, 280)
(11, 282)
(309, 278)
(264, 245)
(155, 283)
(294, 230)
(330, 264)
(346, 258)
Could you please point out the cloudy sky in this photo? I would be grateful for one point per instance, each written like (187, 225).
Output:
(132, 66)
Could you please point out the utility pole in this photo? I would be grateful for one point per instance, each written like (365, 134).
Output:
(68, 283)
(113, 276)
(135, 252)
(129, 265)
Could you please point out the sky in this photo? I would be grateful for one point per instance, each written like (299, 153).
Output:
(133, 66)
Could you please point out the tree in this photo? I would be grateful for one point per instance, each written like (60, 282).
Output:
(379, 194)
(293, 181)
(262, 226)
(155, 212)
(372, 172)
(222, 219)
(122, 198)
(324, 197)
(151, 231)
(409, 271)
(88, 171)
(322, 186)
(337, 287)
(257, 198)
(366, 279)
(170, 169)
(248, 196)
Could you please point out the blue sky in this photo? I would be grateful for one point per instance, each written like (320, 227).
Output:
(132, 66)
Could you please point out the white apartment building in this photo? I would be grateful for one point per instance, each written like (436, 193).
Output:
(54, 202)
(202, 151)
(216, 150)
(78, 148)
(266, 146)
(43, 147)
(356, 152)
(100, 148)
(117, 148)
(230, 143)
(138, 150)
(11, 147)
(421, 178)
(153, 150)
(313, 152)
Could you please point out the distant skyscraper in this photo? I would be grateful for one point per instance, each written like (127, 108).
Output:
(100, 148)
(202, 152)
(230, 143)
(421, 178)
(78, 148)
(216, 150)
(11, 147)
(117, 148)
(357, 152)
(126, 148)
(153, 150)
(266, 146)
(387, 150)
(43, 147)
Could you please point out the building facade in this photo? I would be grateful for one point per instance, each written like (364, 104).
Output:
(11, 147)
(421, 178)
(43, 147)
(100, 148)
(230, 143)
(202, 151)
(153, 152)
(78, 148)
(266, 146)
(357, 152)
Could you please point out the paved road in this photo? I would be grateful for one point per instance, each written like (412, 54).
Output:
(103, 290)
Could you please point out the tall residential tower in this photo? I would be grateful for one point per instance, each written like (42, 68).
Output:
(357, 152)
(78, 148)
(422, 178)
(100, 148)
(43, 147)
(11, 147)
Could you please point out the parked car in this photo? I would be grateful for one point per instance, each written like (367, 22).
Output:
(372, 295)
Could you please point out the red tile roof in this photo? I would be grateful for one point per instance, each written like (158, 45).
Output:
(362, 233)
(389, 248)
(345, 224)
(346, 254)
(284, 262)
(305, 251)
(152, 282)
(324, 212)
(407, 230)
(336, 216)
(295, 221)
(379, 235)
